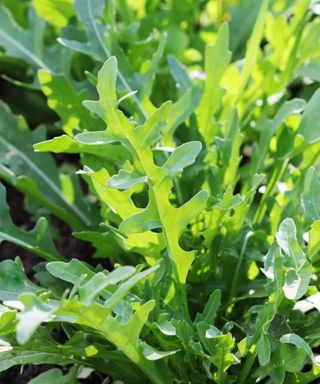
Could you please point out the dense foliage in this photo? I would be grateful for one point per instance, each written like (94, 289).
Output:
(204, 211)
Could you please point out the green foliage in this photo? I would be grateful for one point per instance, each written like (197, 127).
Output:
(188, 156)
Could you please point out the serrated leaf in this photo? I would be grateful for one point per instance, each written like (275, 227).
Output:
(28, 44)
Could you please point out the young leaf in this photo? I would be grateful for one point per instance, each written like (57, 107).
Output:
(182, 157)
(217, 56)
(126, 179)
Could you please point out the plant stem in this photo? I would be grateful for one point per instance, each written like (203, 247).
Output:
(251, 356)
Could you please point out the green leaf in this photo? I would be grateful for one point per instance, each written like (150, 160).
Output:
(38, 240)
(88, 12)
(309, 127)
(35, 312)
(152, 128)
(101, 281)
(33, 357)
(179, 73)
(70, 272)
(63, 98)
(36, 174)
(311, 196)
(180, 111)
(253, 47)
(210, 310)
(126, 179)
(13, 280)
(314, 241)
(182, 157)
(153, 354)
(216, 56)
(223, 358)
(159, 209)
(296, 283)
(298, 274)
(57, 13)
(287, 240)
(263, 349)
(125, 287)
(294, 357)
(292, 338)
(28, 44)
(82, 143)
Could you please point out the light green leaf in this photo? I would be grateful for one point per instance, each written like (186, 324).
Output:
(126, 179)
(287, 240)
(55, 12)
(314, 241)
(253, 47)
(218, 57)
(35, 312)
(180, 111)
(182, 157)
(125, 287)
(223, 358)
(153, 354)
(298, 275)
(151, 130)
(70, 272)
(296, 283)
(63, 98)
(101, 281)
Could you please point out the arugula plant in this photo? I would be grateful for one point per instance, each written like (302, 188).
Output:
(206, 207)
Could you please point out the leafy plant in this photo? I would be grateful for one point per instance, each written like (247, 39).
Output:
(203, 210)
